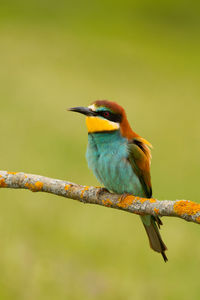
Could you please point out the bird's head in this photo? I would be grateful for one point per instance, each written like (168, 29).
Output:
(105, 116)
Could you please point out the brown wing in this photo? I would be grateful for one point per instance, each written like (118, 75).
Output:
(140, 159)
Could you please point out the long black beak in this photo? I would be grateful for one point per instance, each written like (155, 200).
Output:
(83, 110)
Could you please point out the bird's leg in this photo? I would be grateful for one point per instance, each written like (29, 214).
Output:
(123, 196)
(102, 190)
(158, 221)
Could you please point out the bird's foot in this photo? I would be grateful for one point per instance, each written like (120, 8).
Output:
(158, 221)
(123, 196)
(101, 191)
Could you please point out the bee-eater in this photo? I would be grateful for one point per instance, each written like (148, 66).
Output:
(120, 159)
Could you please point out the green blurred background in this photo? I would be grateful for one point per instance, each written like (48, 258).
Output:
(53, 55)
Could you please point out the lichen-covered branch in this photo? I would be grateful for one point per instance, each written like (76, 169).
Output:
(187, 210)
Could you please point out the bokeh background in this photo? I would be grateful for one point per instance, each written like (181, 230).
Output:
(58, 54)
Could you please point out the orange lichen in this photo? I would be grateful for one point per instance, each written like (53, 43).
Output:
(83, 191)
(67, 186)
(142, 200)
(198, 219)
(2, 182)
(39, 185)
(12, 173)
(107, 202)
(126, 201)
(30, 186)
(156, 210)
(182, 207)
(34, 187)
(152, 200)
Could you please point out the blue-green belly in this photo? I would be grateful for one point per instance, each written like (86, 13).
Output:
(107, 156)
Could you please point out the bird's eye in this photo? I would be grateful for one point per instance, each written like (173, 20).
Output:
(106, 114)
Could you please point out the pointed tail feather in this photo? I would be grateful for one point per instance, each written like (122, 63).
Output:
(155, 240)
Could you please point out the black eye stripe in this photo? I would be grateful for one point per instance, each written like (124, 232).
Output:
(110, 116)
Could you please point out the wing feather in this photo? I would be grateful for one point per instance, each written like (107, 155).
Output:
(140, 159)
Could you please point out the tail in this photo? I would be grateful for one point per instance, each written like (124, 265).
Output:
(155, 240)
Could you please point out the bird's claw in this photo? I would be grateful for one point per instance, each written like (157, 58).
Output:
(101, 191)
(123, 196)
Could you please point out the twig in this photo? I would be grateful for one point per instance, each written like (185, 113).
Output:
(187, 210)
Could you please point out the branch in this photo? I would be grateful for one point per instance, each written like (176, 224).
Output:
(187, 210)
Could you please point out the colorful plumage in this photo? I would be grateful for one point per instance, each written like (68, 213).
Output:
(120, 159)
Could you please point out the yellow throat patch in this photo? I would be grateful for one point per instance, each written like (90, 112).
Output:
(96, 124)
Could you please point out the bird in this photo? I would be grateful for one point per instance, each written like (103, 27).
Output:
(120, 159)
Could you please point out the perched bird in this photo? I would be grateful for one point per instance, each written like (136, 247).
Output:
(120, 159)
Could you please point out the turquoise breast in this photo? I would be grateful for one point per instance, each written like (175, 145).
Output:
(107, 156)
